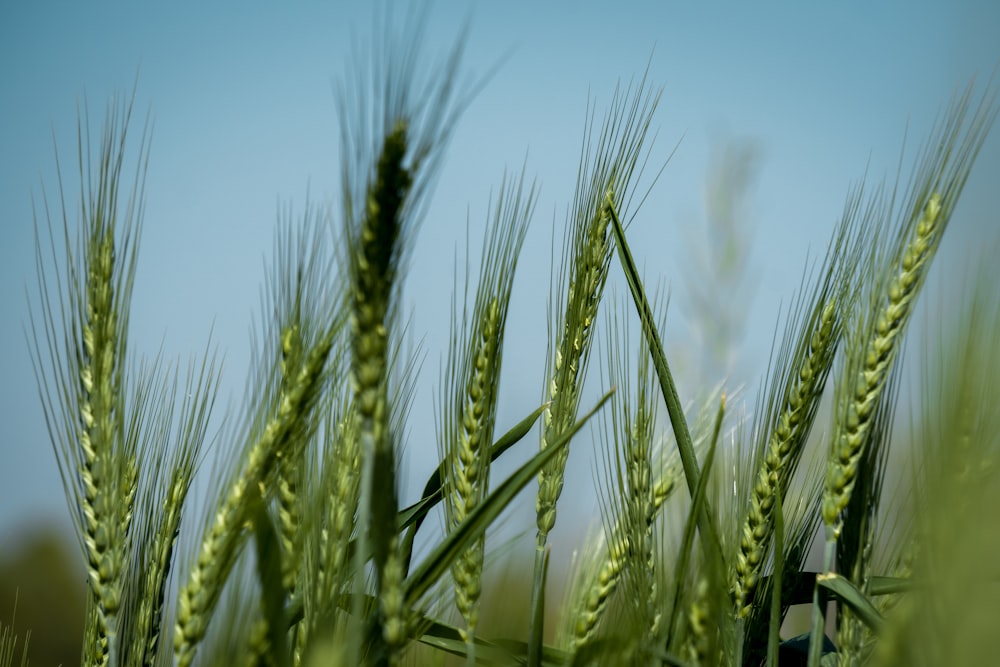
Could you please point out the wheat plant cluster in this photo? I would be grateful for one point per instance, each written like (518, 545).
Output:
(306, 555)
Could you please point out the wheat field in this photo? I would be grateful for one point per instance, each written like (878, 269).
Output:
(305, 554)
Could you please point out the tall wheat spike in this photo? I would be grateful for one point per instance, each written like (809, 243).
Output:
(636, 490)
(330, 519)
(608, 163)
(471, 386)
(83, 383)
(890, 281)
(784, 446)
(394, 125)
(958, 445)
(621, 558)
(873, 342)
(787, 408)
(282, 400)
(169, 449)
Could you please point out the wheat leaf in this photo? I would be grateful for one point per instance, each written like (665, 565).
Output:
(438, 562)
(848, 593)
(682, 433)
(431, 495)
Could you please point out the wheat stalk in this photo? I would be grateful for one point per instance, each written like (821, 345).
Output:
(391, 143)
(373, 267)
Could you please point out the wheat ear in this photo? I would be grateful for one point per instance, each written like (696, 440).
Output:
(610, 168)
(82, 383)
(226, 532)
(628, 505)
(374, 258)
(343, 505)
(607, 575)
(644, 499)
(99, 409)
(869, 379)
(333, 520)
(469, 472)
(291, 471)
(170, 468)
(471, 387)
(697, 641)
(393, 127)
(941, 175)
(589, 272)
(147, 633)
(802, 394)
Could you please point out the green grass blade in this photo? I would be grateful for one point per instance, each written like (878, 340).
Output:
(697, 507)
(891, 585)
(440, 560)
(413, 516)
(678, 422)
(610, 650)
(500, 652)
(447, 639)
(848, 593)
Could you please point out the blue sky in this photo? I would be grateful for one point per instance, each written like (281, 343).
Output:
(242, 100)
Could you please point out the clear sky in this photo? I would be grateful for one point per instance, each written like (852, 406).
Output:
(244, 121)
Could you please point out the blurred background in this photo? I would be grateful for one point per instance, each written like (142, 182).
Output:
(768, 117)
